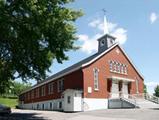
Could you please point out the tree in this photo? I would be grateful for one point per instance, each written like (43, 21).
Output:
(157, 91)
(33, 34)
(18, 87)
(145, 88)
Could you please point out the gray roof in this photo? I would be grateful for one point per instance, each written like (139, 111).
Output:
(76, 65)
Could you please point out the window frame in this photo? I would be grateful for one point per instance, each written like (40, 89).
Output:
(50, 88)
(68, 99)
(60, 84)
(96, 78)
(102, 42)
(43, 90)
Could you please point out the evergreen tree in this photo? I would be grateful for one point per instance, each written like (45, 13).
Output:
(157, 91)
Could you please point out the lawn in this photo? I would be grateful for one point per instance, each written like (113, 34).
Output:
(9, 102)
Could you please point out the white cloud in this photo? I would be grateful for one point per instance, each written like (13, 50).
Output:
(90, 44)
(120, 34)
(94, 23)
(153, 17)
(152, 84)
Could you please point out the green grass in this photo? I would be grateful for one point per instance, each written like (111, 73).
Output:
(9, 102)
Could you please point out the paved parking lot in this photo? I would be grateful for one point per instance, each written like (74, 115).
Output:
(111, 114)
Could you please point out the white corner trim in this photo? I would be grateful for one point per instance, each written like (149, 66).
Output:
(83, 65)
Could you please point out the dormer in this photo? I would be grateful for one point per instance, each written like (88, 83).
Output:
(105, 42)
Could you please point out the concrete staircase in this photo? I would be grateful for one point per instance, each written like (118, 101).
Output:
(120, 103)
(146, 104)
(143, 101)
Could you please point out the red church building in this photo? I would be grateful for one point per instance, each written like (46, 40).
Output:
(88, 84)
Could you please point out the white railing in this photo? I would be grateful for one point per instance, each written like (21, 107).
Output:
(130, 98)
(152, 98)
(147, 96)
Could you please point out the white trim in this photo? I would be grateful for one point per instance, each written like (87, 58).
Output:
(123, 79)
(137, 70)
(100, 55)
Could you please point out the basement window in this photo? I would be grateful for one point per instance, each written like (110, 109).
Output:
(60, 105)
(68, 99)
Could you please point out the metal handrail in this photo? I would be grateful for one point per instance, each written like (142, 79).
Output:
(152, 98)
(131, 98)
(147, 96)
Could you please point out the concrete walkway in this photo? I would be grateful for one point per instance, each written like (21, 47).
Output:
(109, 114)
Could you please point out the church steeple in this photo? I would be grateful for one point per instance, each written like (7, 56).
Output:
(106, 31)
(106, 40)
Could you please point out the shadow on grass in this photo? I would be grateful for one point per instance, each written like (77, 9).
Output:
(22, 116)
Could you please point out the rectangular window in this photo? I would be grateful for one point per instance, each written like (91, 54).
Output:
(115, 67)
(68, 99)
(110, 65)
(28, 95)
(60, 85)
(122, 69)
(125, 69)
(25, 96)
(60, 105)
(50, 106)
(50, 88)
(43, 91)
(96, 86)
(37, 92)
(32, 94)
(118, 67)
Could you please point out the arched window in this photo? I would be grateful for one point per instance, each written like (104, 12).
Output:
(125, 69)
(102, 42)
(115, 67)
(110, 65)
(122, 69)
(96, 85)
(118, 67)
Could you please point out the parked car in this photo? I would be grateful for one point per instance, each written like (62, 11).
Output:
(4, 109)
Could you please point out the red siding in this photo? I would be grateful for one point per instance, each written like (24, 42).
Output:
(103, 65)
(73, 80)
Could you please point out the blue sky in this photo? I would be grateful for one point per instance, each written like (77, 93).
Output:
(135, 23)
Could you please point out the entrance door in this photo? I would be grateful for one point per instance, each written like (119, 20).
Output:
(115, 89)
(125, 89)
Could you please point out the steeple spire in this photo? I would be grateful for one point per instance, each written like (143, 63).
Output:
(106, 41)
(106, 31)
